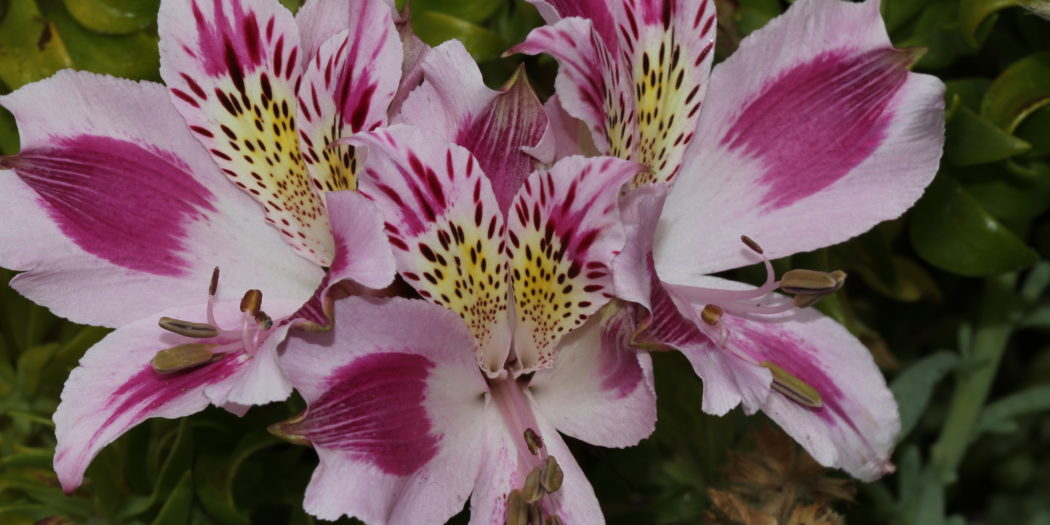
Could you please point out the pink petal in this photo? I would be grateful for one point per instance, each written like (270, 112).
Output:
(565, 136)
(347, 87)
(597, 11)
(411, 65)
(501, 472)
(592, 84)
(117, 212)
(395, 415)
(232, 69)
(362, 252)
(815, 131)
(639, 212)
(445, 226)
(496, 128)
(563, 233)
(600, 389)
(115, 388)
(857, 426)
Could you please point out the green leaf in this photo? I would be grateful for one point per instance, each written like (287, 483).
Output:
(132, 56)
(1035, 130)
(435, 28)
(116, 17)
(969, 91)
(950, 230)
(1013, 197)
(30, 46)
(999, 416)
(178, 507)
(971, 139)
(470, 10)
(973, 12)
(1020, 90)
(216, 472)
(914, 386)
(8, 133)
(936, 31)
(752, 15)
(896, 13)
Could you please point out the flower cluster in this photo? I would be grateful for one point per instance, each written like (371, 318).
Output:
(452, 276)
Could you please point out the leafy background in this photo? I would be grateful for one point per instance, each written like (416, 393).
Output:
(951, 299)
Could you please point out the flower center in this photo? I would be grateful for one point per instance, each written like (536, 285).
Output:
(213, 341)
(532, 502)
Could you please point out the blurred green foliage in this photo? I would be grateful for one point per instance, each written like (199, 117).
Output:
(951, 298)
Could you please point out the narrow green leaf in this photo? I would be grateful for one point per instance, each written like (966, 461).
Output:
(30, 46)
(133, 55)
(950, 230)
(973, 12)
(971, 139)
(969, 91)
(914, 386)
(434, 28)
(1020, 90)
(999, 415)
(8, 132)
(178, 505)
(936, 31)
(470, 10)
(1012, 197)
(116, 17)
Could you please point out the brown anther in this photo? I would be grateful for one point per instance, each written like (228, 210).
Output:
(181, 357)
(752, 244)
(264, 320)
(712, 314)
(517, 509)
(532, 490)
(553, 519)
(533, 441)
(552, 475)
(251, 302)
(213, 286)
(792, 387)
(188, 329)
(535, 513)
(811, 281)
(805, 300)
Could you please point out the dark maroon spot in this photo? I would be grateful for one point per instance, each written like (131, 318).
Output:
(185, 97)
(819, 120)
(230, 41)
(373, 410)
(125, 203)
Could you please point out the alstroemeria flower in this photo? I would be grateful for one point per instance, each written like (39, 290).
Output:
(813, 132)
(121, 218)
(425, 404)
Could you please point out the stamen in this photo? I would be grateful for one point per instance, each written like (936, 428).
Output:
(552, 475)
(188, 329)
(517, 510)
(711, 314)
(792, 387)
(264, 320)
(182, 357)
(811, 281)
(532, 491)
(533, 441)
(213, 286)
(752, 244)
(251, 302)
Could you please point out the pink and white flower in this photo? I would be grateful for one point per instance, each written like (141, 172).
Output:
(127, 196)
(813, 132)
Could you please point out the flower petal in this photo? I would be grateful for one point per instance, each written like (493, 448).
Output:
(563, 233)
(501, 472)
(395, 415)
(446, 229)
(362, 252)
(600, 390)
(347, 87)
(495, 127)
(592, 84)
(804, 142)
(640, 213)
(232, 69)
(115, 387)
(117, 212)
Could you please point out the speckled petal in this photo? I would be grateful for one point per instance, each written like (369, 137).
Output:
(232, 68)
(562, 234)
(445, 226)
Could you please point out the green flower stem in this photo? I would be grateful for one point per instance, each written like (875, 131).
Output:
(975, 376)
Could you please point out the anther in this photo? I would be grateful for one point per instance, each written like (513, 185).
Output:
(182, 357)
(535, 513)
(188, 329)
(551, 475)
(811, 281)
(264, 320)
(533, 441)
(752, 244)
(251, 302)
(711, 314)
(517, 509)
(532, 491)
(792, 387)
(213, 286)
